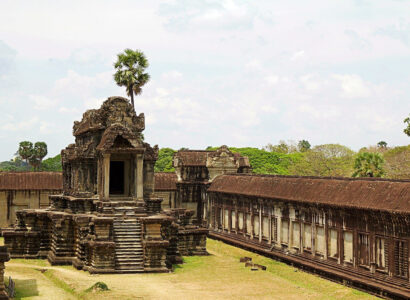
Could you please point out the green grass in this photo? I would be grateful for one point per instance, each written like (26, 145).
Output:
(50, 274)
(219, 275)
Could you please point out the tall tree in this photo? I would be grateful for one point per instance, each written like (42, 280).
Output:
(25, 150)
(324, 160)
(303, 146)
(39, 152)
(382, 145)
(397, 162)
(407, 129)
(368, 165)
(130, 67)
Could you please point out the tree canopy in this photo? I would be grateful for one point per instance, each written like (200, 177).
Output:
(303, 146)
(382, 144)
(130, 67)
(33, 155)
(368, 165)
(407, 129)
(325, 160)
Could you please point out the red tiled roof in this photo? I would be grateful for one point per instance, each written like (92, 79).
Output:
(165, 181)
(375, 194)
(31, 181)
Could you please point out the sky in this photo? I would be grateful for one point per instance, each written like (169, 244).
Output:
(240, 73)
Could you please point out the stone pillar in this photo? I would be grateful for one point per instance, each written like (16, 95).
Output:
(278, 214)
(139, 176)
(260, 221)
(326, 228)
(270, 237)
(106, 166)
(4, 256)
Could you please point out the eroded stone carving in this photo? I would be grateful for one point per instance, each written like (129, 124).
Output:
(108, 219)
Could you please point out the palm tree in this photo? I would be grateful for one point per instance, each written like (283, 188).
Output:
(368, 165)
(25, 150)
(130, 67)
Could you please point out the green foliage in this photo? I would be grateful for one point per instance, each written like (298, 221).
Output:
(130, 67)
(382, 144)
(98, 287)
(368, 165)
(266, 162)
(52, 164)
(397, 162)
(32, 155)
(325, 160)
(303, 146)
(16, 165)
(25, 150)
(282, 147)
(164, 162)
(407, 129)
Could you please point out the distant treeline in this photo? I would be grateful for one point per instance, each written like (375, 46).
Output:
(52, 164)
(322, 160)
(283, 159)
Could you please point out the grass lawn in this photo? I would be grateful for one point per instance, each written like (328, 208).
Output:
(217, 276)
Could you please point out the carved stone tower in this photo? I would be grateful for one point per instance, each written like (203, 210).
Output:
(109, 158)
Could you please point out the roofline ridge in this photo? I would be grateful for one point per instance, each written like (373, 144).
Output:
(318, 177)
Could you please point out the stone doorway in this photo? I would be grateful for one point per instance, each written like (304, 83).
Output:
(117, 183)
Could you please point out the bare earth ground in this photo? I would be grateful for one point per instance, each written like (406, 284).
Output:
(218, 276)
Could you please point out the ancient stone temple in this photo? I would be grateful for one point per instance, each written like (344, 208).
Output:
(196, 169)
(108, 219)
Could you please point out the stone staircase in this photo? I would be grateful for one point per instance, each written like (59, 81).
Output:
(121, 207)
(129, 256)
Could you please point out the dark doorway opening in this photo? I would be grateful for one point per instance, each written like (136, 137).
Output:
(117, 177)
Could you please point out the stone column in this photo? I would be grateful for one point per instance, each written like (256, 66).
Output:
(139, 176)
(106, 166)
(278, 214)
(260, 221)
(270, 233)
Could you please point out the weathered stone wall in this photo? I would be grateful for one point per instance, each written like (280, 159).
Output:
(12, 201)
(168, 199)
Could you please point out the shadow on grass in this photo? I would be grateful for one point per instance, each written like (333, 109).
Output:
(25, 288)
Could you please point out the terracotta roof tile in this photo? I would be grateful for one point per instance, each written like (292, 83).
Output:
(31, 181)
(165, 181)
(375, 194)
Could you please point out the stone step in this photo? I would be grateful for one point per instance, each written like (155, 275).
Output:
(128, 233)
(127, 238)
(136, 259)
(129, 264)
(128, 244)
(127, 228)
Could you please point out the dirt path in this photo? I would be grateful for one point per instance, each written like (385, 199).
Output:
(218, 276)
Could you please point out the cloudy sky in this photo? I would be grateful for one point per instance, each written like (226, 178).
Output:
(241, 73)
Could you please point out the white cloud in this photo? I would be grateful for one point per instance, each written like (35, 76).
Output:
(172, 75)
(272, 79)
(222, 72)
(353, 86)
(42, 102)
(297, 55)
(20, 125)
